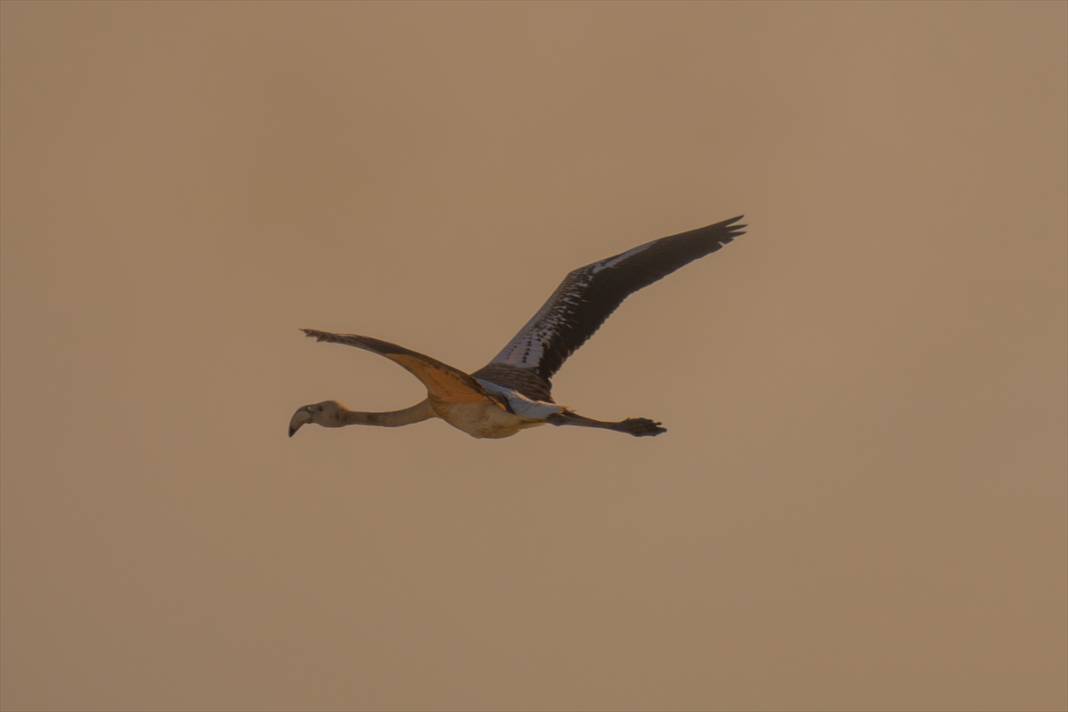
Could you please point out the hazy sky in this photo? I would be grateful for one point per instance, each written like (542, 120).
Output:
(861, 500)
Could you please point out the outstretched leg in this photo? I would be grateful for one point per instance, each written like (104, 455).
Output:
(637, 427)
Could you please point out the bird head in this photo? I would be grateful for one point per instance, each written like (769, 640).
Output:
(326, 414)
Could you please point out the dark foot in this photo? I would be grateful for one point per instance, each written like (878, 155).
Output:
(639, 427)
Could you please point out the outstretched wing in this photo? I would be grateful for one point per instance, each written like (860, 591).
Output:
(441, 380)
(589, 294)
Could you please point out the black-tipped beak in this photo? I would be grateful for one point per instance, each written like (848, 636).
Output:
(299, 418)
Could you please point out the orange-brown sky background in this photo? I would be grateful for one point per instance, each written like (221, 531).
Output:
(861, 500)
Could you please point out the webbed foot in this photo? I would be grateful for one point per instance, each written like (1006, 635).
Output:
(640, 427)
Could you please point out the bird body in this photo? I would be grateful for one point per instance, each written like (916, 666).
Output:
(514, 391)
(488, 419)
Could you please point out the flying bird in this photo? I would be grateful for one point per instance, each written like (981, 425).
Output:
(513, 391)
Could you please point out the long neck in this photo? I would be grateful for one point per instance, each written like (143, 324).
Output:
(390, 419)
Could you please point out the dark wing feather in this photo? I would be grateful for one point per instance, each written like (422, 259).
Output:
(588, 295)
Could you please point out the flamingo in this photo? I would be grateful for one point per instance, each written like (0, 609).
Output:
(514, 391)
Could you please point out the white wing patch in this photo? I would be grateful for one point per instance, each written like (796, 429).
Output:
(521, 405)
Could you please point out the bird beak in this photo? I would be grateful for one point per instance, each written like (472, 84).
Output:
(299, 418)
